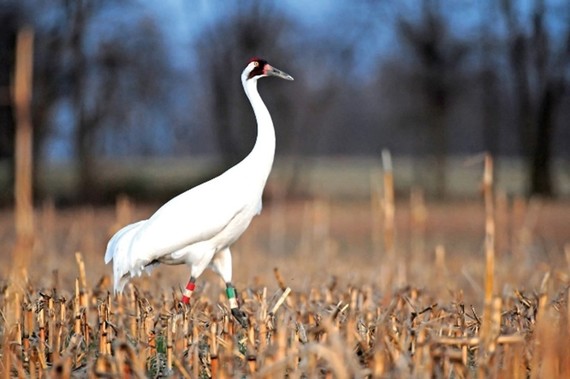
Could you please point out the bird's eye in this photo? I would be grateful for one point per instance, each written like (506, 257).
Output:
(256, 63)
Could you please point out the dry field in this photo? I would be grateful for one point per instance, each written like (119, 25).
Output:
(331, 290)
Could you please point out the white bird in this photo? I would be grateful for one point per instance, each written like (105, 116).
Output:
(198, 226)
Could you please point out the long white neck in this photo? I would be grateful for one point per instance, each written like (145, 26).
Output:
(260, 160)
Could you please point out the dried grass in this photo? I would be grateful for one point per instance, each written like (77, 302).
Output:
(350, 296)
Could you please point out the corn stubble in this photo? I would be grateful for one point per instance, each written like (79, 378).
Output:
(329, 332)
(346, 327)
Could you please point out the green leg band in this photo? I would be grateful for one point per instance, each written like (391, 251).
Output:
(231, 292)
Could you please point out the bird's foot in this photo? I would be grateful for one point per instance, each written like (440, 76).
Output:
(240, 316)
(182, 306)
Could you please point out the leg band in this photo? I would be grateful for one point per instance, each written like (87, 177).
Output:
(188, 292)
(231, 292)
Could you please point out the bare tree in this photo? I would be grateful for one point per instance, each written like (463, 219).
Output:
(539, 62)
(47, 80)
(78, 14)
(104, 72)
(488, 77)
(438, 56)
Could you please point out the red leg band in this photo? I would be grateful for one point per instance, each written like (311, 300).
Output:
(188, 292)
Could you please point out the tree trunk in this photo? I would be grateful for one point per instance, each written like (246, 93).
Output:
(437, 98)
(541, 160)
(88, 186)
(8, 29)
(84, 126)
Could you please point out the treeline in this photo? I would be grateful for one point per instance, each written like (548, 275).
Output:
(428, 78)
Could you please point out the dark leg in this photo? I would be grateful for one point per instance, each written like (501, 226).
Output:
(189, 290)
(239, 315)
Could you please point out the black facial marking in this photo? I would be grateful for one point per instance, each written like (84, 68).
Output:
(258, 70)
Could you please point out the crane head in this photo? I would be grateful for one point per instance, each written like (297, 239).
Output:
(259, 68)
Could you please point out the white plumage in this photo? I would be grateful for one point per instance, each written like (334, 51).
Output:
(198, 226)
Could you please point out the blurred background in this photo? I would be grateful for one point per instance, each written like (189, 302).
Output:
(143, 98)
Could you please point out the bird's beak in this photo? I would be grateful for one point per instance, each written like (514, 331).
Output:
(272, 71)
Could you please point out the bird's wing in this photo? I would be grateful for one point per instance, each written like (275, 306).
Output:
(194, 216)
(185, 220)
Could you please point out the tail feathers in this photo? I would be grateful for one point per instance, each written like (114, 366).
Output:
(121, 282)
(119, 250)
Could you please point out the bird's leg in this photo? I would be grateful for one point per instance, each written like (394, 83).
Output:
(239, 315)
(189, 290)
(222, 264)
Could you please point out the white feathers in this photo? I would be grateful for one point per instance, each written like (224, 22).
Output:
(118, 249)
(198, 226)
